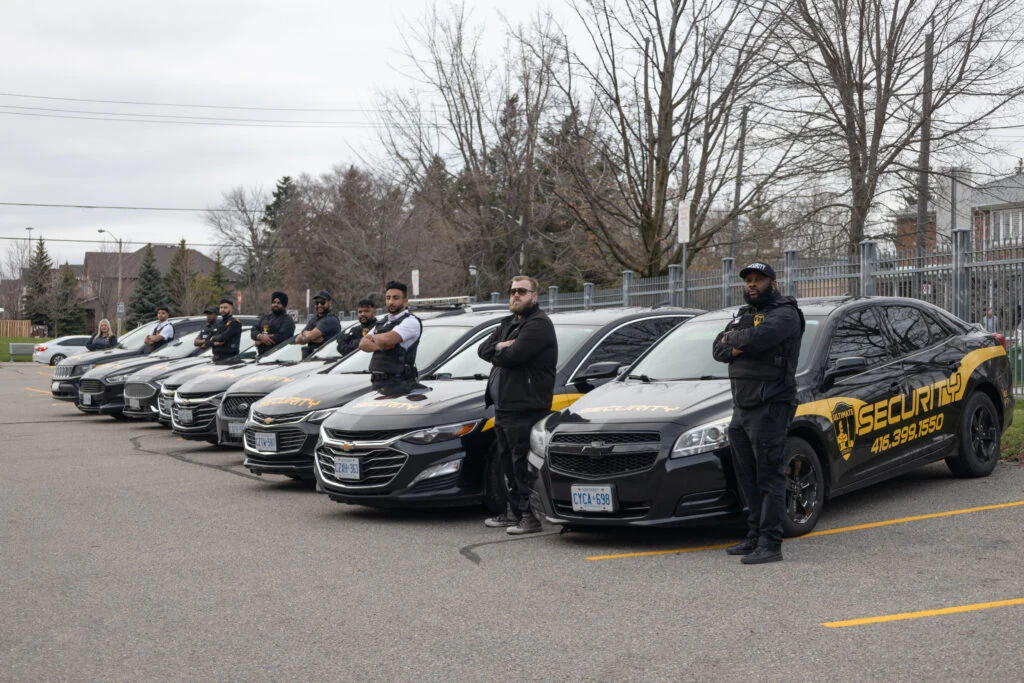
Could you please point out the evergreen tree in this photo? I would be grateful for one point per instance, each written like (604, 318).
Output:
(38, 286)
(67, 312)
(219, 280)
(149, 291)
(180, 281)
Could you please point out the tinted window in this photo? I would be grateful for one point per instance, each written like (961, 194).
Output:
(75, 342)
(859, 334)
(913, 328)
(625, 344)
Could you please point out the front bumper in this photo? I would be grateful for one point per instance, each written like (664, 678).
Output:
(196, 420)
(65, 389)
(388, 469)
(648, 487)
(99, 398)
(231, 417)
(294, 443)
(140, 400)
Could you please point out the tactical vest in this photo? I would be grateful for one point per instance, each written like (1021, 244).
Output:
(396, 362)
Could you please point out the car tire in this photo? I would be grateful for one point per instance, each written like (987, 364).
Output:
(805, 488)
(56, 358)
(495, 486)
(978, 439)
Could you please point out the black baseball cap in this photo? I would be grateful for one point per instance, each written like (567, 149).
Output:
(211, 309)
(758, 267)
(322, 294)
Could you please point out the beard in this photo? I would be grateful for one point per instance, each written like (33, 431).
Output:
(760, 300)
(520, 307)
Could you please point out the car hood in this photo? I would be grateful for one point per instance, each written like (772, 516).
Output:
(168, 367)
(99, 357)
(126, 365)
(271, 378)
(682, 402)
(315, 392)
(224, 377)
(432, 402)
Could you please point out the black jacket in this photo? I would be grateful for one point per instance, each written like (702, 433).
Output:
(349, 341)
(279, 326)
(523, 374)
(205, 334)
(224, 340)
(98, 343)
(769, 337)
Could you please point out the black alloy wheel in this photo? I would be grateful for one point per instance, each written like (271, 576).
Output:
(978, 440)
(805, 488)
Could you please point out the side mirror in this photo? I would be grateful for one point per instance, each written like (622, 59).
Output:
(843, 368)
(602, 370)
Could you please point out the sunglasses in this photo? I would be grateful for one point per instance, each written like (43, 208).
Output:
(521, 291)
(319, 302)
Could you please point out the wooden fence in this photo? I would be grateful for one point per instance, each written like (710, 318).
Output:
(15, 328)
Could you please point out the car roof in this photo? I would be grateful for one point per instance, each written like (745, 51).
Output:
(826, 305)
(464, 320)
(604, 316)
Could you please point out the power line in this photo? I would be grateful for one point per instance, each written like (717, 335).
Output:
(171, 104)
(192, 123)
(176, 116)
(121, 208)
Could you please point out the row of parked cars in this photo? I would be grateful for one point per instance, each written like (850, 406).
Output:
(638, 433)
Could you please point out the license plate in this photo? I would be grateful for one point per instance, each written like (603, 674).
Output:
(55, 387)
(134, 404)
(593, 499)
(236, 428)
(266, 441)
(346, 468)
(185, 416)
(86, 399)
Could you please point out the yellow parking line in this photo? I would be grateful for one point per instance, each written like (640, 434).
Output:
(45, 374)
(924, 613)
(38, 391)
(824, 532)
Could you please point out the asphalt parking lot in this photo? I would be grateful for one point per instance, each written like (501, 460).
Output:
(128, 554)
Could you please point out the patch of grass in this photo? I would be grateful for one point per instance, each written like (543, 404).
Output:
(4, 348)
(1013, 439)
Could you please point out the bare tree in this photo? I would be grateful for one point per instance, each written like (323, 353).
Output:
(249, 244)
(12, 276)
(852, 76)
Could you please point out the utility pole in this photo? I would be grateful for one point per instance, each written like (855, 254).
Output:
(923, 161)
(739, 183)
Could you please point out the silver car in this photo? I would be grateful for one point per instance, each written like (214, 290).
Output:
(54, 351)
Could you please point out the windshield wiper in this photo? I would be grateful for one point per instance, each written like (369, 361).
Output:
(702, 378)
(476, 376)
(643, 378)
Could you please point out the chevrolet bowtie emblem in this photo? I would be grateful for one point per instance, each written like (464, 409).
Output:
(184, 402)
(347, 446)
(268, 420)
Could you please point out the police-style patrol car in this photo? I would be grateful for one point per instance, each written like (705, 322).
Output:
(884, 385)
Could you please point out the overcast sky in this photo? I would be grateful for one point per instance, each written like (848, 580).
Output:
(303, 54)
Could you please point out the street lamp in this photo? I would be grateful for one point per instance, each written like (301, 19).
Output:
(30, 229)
(120, 303)
(473, 273)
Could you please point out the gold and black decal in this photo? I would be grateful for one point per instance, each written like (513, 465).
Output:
(844, 420)
(758, 319)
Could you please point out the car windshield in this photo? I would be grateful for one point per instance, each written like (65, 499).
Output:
(177, 348)
(286, 352)
(433, 340)
(136, 339)
(685, 353)
(468, 365)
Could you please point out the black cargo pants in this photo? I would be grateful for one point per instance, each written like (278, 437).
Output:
(512, 434)
(758, 439)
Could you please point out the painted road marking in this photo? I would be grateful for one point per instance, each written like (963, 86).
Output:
(38, 391)
(824, 532)
(923, 613)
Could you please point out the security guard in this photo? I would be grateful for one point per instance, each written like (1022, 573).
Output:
(393, 343)
(761, 345)
(366, 313)
(320, 327)
(224, 340)
(204, 335)
(274, 327)
(163, 332)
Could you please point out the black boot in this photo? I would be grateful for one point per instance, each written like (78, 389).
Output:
(763, 555)
(745, 547)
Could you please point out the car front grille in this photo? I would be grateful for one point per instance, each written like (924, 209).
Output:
(609, 438)
(138, 390)
(602, 466)
(288, 440)
(291, 418)
(626, 509)
(376, 467)
(238, 405)
(91, 386)
(62, 371)
(378, 435)
(603, 454)
(202, 415)
(164, 406)
(196, 397)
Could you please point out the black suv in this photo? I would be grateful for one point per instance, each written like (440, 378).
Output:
(884, 385)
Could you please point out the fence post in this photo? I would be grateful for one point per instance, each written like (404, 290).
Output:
(961, 274)
(673, 283)
(552, 298)
(627, 286)
(792, 263)
(588, 295)
(868, 263)
(494, 297)
(728, 275)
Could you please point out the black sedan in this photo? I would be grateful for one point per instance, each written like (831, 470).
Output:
(432, 445)
(884, 385)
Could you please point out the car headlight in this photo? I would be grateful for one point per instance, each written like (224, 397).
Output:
(441, 433)
(81, 369)
(539, 437)
(318, 416)
(702, 439)
(118, 379)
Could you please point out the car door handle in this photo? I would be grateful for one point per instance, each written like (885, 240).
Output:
(894, 388)
(953, 365)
